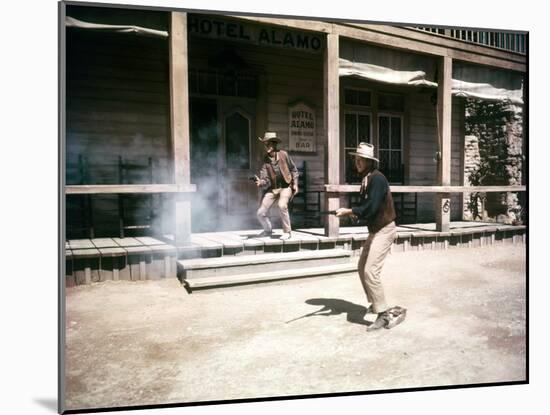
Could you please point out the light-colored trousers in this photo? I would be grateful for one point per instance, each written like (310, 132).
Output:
(375, 249)
(283, 196)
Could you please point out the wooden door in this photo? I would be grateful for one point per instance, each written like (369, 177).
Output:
(239, 197)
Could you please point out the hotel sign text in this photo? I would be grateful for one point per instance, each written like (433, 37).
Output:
(216, 28)
(301, 127)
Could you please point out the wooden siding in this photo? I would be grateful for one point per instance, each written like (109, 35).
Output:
(305, 83)
(422, 146)
(117, 105)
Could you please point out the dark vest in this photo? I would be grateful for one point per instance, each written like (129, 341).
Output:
(386, 212)
(283, 166)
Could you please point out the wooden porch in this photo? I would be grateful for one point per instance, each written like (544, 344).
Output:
(409, 237)
(144, 258)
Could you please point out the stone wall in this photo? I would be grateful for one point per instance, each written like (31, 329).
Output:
(472, 160)
(493, 156)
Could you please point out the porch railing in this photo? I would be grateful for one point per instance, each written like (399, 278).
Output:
(513, 42)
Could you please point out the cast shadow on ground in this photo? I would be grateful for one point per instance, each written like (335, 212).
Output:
(47, 403)
(333, 307)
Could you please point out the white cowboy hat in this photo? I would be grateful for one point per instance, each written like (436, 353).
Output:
(365, 150)
(269, 136)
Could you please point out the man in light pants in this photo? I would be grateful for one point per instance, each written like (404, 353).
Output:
(279, 179)
(379, 213)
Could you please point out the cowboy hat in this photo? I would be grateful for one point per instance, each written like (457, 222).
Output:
(269, 136)
(365, 150)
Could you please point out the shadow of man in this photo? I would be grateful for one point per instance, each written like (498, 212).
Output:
(333, 306)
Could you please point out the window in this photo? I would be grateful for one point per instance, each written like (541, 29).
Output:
(391, 102)
(207, 82)
(237, 141)
(224, 83)
(357, 128)
(357, 97)
(390, 139)
(246, 86)
(360, 119)
(227, 84)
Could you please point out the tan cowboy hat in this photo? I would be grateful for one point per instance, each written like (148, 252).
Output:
(269, 136)
(365, 150)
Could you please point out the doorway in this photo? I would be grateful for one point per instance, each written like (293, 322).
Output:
(204, 163)
(240, 153)
(224, 155)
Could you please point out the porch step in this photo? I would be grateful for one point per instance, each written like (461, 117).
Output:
(228, 271)
(252, 278)
(225, 266)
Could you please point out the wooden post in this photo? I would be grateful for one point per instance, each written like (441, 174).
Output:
(142, 268)
(179, 119)
(62, 199)
(166, 266)
(444, 111)
(332, 128)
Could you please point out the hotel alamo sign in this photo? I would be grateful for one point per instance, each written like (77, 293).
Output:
(245, 32)
(301, 127)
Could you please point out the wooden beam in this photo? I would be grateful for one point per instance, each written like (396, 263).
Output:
(354, 188)
(487, 61)
(332, 127)
(61, 212)
(128, 188)
(179, 98)
(443, 41)
(444, 112)
(179, 120)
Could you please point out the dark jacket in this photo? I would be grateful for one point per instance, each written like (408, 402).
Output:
(376, 206)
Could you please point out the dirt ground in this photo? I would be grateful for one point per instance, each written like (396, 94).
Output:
(149, 342)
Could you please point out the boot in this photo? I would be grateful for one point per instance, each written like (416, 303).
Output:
(396, 315)
(381, 321)
(286, 236)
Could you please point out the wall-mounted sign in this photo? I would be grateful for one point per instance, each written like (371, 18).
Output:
(218, 28)
(301, 127)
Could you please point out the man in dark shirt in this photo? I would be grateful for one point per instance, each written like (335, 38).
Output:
(377, 210)
(279, 179)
